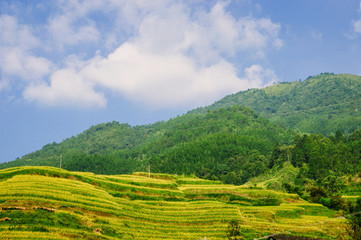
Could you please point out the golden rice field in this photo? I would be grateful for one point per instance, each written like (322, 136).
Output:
(51, 203)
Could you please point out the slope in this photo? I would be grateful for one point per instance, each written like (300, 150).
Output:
(50, 203)
(194, 143)
(320, 104)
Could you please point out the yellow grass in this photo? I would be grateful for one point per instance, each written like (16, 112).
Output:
(96, 204)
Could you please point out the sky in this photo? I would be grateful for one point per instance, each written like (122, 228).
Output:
(66, 65)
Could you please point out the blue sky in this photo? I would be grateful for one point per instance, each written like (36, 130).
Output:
(66, 65)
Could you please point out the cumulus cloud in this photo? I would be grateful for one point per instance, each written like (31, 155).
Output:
(16, 59)
(66, 88)
(19, 63)
(63, 33)
(173, 60)
(14, 34)
(165, 80)
(207, 35)
(173, 56)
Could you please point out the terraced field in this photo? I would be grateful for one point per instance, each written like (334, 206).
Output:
(50, 203)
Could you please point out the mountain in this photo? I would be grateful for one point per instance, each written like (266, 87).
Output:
(227, 141)
(320, 104)
(51, 203)
(208, 145)
(232, 144)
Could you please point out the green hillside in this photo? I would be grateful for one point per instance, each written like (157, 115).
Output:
(230, 142)
(320, 104)
(207, 145)
(50, 203)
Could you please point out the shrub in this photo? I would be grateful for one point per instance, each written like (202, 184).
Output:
(354, 226)
(316, 193)
(234, 231)
(325, 201)
(269, 201)
(354, 222)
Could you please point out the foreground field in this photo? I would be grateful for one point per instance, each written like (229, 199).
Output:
(50, 203)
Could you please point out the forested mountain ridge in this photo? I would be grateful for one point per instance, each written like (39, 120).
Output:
(320, 104)
(227, 141)
(203, 144)
(230, 143)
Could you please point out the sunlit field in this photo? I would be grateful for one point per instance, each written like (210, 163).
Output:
(50, 203)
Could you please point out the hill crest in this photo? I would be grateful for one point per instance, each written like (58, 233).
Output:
(320, 104)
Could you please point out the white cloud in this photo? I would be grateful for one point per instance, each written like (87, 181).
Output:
(13, 34)
(163, 80)
(63, 33)
(16, 59)
(259, 76)
(66, 89)
(20, 63)
(173, 57)
(357, 26)
(278, 43)
(208, 35)
(257, 33)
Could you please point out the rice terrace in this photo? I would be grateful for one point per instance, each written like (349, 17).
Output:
(180, 119)
(51, 203)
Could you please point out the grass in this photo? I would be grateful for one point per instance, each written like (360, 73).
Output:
(50, 203)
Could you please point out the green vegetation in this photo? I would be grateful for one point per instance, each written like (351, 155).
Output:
(317, 168)
(232, 144)
(234, 231)
(319, 157)
(321, 104)
(50, 203)
(197, 156)
(354, 222)
(209, 146)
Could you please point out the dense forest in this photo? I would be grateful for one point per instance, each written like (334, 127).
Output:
(304, 134)
(322, 104)
(204, 145)
(326, 167)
